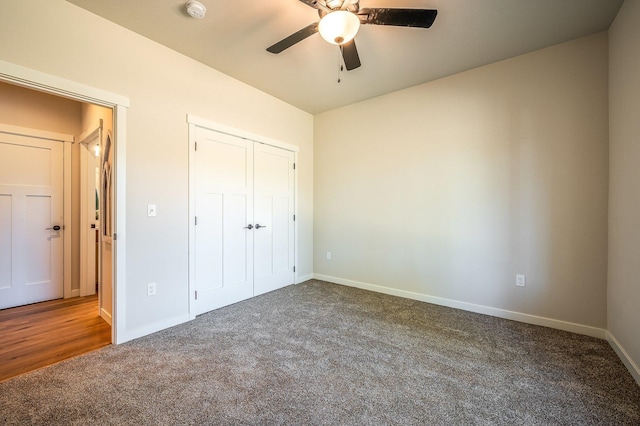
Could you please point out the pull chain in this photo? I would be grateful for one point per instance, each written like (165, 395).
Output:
(341, 67)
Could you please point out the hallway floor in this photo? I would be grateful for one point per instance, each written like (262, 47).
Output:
(41, 334)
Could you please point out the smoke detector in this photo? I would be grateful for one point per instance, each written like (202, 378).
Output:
(195, 9)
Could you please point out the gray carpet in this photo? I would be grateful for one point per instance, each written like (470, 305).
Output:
(323, 354)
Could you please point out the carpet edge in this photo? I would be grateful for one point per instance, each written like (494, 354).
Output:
(624, 357)
(586, 330)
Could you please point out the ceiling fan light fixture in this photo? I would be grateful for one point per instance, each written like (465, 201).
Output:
(339, 27)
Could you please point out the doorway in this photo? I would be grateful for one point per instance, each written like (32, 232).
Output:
(20, 87)
(36, 163)
(95, 212)
(39, 233)
(19, 76)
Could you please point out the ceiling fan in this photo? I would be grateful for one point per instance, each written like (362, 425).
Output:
(340, 21)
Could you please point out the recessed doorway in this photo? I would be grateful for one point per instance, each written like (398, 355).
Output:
(25, 109)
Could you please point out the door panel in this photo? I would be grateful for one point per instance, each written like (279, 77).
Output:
(209, 243)
(224, 206)
(17, 162)
(31, 200)
(90, 241)
(282, 237)
(274, 208)
(237, 240)
(38, 212)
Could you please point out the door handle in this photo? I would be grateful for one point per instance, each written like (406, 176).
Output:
(258, 226)
(54, 227)
(250, 226)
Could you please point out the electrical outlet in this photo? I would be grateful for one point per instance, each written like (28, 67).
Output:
(520, 280)
(151, 210)
(328, 255)
(151, 289)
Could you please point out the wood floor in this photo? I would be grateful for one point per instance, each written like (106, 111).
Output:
(41, 334)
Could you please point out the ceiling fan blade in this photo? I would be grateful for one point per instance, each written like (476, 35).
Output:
(420, 18)
(316, 5)
(350, 55)
(294, 38)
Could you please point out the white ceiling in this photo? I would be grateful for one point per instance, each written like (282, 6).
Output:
(232, 38)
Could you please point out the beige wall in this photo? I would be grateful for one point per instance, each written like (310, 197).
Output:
(29, 108)
(624, 189)
(446, 189)
(162, 86)
(451, 188)
(36, 110)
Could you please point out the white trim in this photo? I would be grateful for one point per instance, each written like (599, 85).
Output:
(471, 307)
(93, 133)
(624, 356)
(302, 278)
(119, 306)
(239, 133)
(68, 230)
(89, 133)
(36, 133)
(192, 214)
(32, 79)
(157, 326)
(106, 316)
(296, 231)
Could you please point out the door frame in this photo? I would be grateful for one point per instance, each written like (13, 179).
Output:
(67, 141)
(89, 136)
(194, 122)
(47, 83)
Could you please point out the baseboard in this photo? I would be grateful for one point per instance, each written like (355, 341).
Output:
(75, 293)
(624, 357)
(486, 310)
(105, 316)
(151, 328)
(303, 278)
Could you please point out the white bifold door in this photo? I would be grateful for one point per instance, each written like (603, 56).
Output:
(244, 224)
(31, 219)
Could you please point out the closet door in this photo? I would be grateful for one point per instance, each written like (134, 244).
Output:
(224, 209)
(274, 242)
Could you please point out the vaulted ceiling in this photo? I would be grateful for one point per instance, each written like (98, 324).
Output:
(233, 36)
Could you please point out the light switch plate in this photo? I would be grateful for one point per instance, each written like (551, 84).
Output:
(151, 210)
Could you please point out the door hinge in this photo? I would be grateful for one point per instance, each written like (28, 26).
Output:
(115, 236)
(196, 220)
(294, 217)
(294, 269)
(294, 166)
(196, 294)
(196, 146)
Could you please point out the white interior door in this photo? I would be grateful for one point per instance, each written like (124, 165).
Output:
(223, 210)
(31, 205)
(89, 214)
(274, 237)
